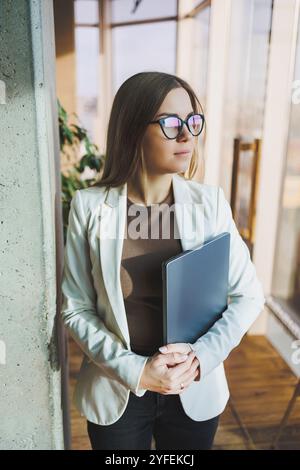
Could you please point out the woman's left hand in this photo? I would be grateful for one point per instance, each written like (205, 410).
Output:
(182, 348)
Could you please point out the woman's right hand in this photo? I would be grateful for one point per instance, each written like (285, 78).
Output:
(164, 373)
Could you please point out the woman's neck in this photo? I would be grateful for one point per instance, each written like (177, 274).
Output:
(154, 190)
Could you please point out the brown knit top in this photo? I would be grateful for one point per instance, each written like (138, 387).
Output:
(147, 243)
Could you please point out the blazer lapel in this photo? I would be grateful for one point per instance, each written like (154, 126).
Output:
(189, 214)
(189, 218)
(111, 233)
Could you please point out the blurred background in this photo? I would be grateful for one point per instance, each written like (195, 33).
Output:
(242, 57)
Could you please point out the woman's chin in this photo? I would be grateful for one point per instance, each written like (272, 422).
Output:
(182, 162)
(178, 165)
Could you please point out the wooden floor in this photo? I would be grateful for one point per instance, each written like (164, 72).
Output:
(261, 385)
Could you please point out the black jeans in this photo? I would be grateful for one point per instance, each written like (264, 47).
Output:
(153, 414)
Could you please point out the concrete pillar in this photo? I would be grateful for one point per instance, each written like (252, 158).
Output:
(30, 226)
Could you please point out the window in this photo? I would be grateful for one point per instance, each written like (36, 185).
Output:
(143, 47)
(122, 10)
(245, 85)
(86, 12)
(286, 277)
(87, 63)
(200, 49)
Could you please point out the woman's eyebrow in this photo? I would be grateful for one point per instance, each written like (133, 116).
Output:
(172, 114)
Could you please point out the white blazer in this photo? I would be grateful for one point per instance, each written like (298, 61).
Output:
(94, 313)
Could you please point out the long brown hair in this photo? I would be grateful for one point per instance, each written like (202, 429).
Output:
(135, 104)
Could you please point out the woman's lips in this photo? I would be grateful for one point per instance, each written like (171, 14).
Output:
(183, 153)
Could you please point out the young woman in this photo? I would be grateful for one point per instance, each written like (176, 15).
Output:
(129, 388)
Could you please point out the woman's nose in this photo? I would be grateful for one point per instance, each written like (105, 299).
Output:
(185, 133)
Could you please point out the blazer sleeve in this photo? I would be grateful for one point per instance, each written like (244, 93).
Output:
(79, 314)
(245, 293)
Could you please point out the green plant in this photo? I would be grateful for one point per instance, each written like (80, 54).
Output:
(74, 140)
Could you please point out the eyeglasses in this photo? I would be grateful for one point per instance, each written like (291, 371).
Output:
(172, 125)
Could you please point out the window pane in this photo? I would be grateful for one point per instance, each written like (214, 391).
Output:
(87, 75)
(200, 49)
(286, 281)
(121, 10)
(86, 11)
(245, 85)
(199, 64)
(141, 48)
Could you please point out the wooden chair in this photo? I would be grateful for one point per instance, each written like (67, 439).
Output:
(245, 216)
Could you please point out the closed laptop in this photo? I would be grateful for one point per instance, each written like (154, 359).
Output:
(195, 287)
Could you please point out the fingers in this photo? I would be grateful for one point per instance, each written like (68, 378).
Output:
(181, 368)
(172, 382)
(179, 390)
(192, 372)
(185, 378)
(184, 370)
(187, 383)
(171, 358)
(182, 348)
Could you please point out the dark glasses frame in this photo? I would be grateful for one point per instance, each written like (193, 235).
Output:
(182, 122)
